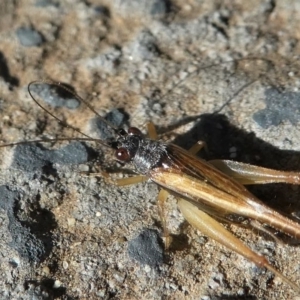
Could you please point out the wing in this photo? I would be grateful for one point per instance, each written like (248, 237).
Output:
(195, 179)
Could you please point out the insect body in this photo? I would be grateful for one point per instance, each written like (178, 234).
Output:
(204, 189)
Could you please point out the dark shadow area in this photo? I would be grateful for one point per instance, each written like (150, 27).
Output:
(64, 90)
(5, 74)
(178, 242)
(38, 289)
(220, 136)
(224, 139)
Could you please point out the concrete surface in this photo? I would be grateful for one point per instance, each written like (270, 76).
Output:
(226, 72)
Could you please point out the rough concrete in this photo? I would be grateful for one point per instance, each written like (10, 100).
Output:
(226, 72)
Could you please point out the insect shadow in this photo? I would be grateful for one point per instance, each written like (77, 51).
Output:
(226, 141)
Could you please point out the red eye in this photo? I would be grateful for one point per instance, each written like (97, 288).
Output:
(122, 154)
(134, 131)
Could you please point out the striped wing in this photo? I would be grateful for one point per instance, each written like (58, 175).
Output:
(195, 179)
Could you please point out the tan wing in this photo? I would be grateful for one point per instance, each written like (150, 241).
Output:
(195, 179)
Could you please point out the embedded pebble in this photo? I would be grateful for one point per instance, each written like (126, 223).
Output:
(29, 37)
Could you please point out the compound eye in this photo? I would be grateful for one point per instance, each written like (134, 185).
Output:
(134, 131)
(123, 154)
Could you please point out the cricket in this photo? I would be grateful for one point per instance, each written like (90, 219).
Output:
(208, 193)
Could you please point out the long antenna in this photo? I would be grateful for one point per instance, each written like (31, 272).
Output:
(72, 93)
(64, 123)
(55, 140)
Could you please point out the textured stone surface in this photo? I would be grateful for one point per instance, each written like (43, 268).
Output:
(224, 72)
